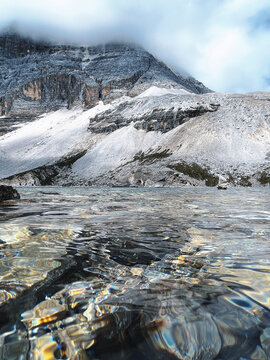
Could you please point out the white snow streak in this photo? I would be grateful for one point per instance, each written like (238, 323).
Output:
(46, 140)
(157, 91)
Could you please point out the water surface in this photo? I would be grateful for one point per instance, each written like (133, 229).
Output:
(91, 273)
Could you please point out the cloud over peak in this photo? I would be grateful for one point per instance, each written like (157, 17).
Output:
(223, 43)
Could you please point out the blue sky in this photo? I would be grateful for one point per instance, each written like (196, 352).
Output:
(223, 43)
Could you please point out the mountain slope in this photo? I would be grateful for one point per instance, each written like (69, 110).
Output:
(170, 139)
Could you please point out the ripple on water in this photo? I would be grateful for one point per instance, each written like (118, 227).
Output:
(162, 273)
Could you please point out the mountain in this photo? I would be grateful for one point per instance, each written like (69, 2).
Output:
(115, 115)
(37, 77)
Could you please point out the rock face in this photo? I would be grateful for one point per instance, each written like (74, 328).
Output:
(164, 113)
(8, 193)
(38, 77)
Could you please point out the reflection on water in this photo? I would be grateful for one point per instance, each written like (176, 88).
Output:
(135, 274)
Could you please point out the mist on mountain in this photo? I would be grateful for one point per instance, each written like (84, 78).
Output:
(222, 43)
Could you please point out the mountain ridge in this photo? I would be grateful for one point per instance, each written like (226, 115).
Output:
(37, 77)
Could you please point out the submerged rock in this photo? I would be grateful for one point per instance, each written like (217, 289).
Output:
(8, 193)
(27, 269)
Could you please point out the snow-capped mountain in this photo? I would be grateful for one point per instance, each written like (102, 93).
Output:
(115, 115)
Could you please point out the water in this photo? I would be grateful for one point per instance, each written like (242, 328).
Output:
(90, 273)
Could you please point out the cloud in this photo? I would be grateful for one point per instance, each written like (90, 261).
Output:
(223, 43)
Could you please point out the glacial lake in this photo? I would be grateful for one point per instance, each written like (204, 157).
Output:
(135, 273)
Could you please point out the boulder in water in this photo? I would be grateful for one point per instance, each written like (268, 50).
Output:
(8, 193)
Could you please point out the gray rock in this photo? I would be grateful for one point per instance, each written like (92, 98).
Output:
(8, 193)
(157, 113)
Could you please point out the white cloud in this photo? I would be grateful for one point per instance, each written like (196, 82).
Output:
(217, 41)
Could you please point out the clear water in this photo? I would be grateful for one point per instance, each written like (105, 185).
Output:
(90, 273)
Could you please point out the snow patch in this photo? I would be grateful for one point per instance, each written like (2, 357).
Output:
(157, 91)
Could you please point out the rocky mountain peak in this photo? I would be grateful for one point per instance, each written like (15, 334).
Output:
(36, 76)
